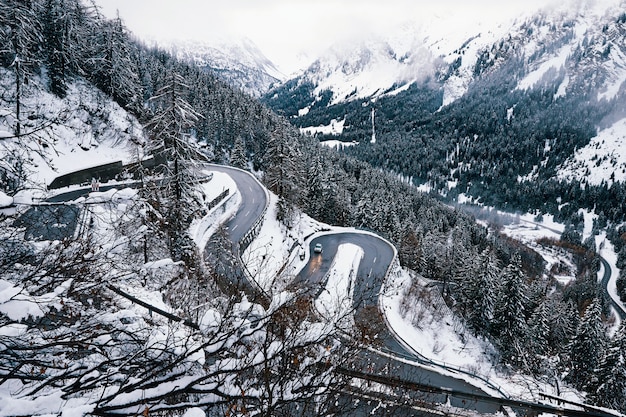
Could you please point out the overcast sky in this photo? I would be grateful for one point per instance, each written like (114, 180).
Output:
(284, 29)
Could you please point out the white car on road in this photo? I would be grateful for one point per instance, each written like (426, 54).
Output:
(318, 248)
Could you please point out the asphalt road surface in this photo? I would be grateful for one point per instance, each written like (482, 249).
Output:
(253, 202)
(604, 284)
(378, 255)
(222, 250)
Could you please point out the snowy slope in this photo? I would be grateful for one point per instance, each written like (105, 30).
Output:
(369, 69)
(88, 129)
(239, 62)
(603, 159)
(412, 52)
(455, 50)
(569, 42)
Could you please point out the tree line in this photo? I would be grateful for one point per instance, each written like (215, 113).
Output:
(485, 278)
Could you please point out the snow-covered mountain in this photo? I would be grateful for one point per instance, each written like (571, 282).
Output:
(577, 52)
(390, 62)
(455, 51)
(577, 49)
(239, 62)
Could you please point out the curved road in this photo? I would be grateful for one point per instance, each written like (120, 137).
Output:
(605, 289)
(619, 309)
(253, 202)
(377, 258)
(378, 255)
(253, 205)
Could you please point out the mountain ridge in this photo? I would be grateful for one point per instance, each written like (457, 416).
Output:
(238, 62)
(497, 87)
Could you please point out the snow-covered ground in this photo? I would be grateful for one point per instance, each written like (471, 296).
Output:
(603, 159)
(202, 229)
(5, 200)
(89, 130)
(337, 144)
(335, 128)
(336, 298)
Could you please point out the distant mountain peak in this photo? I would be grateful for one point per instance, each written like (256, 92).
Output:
(237, 61)
(570, 55)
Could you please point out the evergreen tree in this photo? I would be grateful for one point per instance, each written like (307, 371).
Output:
(587, 347)
(509, 322)
(20, 41)
(551, 327)
(111, 66)
(172, 142)
(539, 336)
(410, 251)
(608, 385)
(56, 29)
(315, 196)
(238, 157)
(621, 285)
(478, 289)
(282, 169)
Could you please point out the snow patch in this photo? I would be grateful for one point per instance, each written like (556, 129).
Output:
(547, 69)
(335, 128)
(202, 229)
(603, 159)
(336, 298)
(337, 144)
(5, 200)
(616, 67)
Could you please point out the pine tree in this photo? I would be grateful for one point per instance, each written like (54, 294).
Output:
(410, 250)
(238, 157)
(315, 196)
(608, 385)
(56, 29)
(509, 323)
(478, 292)
(587, 347)
(282, 169)
(111, 66)
(552, 326)
(171, 129)
(538, 337)
(20, 41)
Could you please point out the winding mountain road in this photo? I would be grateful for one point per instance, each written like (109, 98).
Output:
(606, 277)
(378, 256)
(389, 358)
(238, 231)
(619, 309)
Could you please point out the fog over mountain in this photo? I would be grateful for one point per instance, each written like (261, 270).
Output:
(572, 53)
(238, 62)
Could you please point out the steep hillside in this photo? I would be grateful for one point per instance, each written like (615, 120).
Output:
(111, 304)
(83, 129)
(239, 63)
(508, 115)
